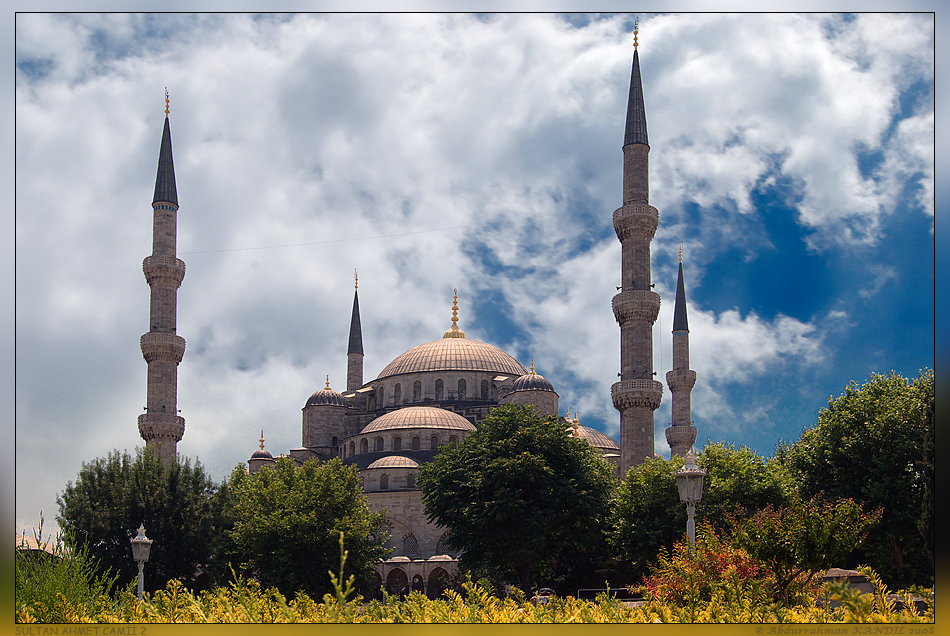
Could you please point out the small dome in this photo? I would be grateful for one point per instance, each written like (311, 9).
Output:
(326, 397)
(394, 461)
(532, 381)
(596, 438)
(419, 417)
(262, 454)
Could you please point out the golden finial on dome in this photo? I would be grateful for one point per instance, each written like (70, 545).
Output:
(636, 30)
(327, 387)
(532, 366)
(356, 278)
(454, 331)
(166, 102)
(681, 253)
(262, 439)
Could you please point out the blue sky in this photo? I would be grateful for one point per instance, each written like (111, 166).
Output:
(791, 155)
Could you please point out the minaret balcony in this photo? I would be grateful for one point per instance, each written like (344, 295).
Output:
(167, 347)
(164, 269)
(639, 304)
(636, 221)
(632, 393)
(161, 426)
(680, 438)
(680, 381)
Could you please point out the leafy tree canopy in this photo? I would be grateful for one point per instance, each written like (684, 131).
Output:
(112, 496)
(518, 491)
(875, 444)
(287, 524)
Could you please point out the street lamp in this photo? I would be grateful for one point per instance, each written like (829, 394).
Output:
(141, 546)
(689, 479)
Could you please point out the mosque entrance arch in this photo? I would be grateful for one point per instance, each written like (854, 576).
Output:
(438, 582)
(397, 583)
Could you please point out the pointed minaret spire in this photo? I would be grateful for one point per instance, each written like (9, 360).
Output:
(636, 307)
(354, 351)
(681, 435)
(161, 426)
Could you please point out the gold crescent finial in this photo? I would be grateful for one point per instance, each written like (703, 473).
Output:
(262, 439)
(454, 331)
(636, 30)
(166, 102)
(532, 365)
(681, 253)
(356, 277)
(327, 387)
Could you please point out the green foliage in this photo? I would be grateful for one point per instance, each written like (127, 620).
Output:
(287, 522)
(112, 496)
(648, 516)
(517, 492)
(801, 539)
(875, 444)
(45, 584)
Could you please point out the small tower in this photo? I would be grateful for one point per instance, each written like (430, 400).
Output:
(259, 458)
(354, 352)
(160, 425)
(324, 423)
(681, 435)
(636, 307)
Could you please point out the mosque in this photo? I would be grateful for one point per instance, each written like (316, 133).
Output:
(437, 393)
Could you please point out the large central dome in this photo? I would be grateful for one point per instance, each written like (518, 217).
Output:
(454, 354)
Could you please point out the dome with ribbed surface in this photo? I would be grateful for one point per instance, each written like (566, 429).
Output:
(326, 397)
(453, 354)
(532, 382)
(419, 417)
(596, 438)
(261, 454)
(394, 461)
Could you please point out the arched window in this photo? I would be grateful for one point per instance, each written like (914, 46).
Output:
(353, 448)
(443, 546)
(417, 391)
(416, 443)
(411, 480)
(397, 393)
(453, 440)
(484, 389)
(439, 389)
(397, 443)
(410, 545)
(384, 482)
(335, 442)
(379, 444)
(461, 391)
(434, 442)
(364, 446)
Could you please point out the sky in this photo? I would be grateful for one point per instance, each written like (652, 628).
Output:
(792, 157)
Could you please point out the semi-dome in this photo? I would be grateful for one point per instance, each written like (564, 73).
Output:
(454, 354)
(532, 381)
(327, 397)
(596, 438)
(419, 417)
(394, 461)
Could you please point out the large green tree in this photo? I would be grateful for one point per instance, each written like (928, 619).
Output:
(112, 496)
(287, 522)
(649, 517)
(517, 492)
(875, 444)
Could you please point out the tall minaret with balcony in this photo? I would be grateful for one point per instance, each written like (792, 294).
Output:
(636, 307)
(160, 425)
(354, 351)
(681, 435)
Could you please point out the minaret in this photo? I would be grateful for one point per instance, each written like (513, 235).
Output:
(160, 425)
(354, 352)
(636, 307)
(681, 434)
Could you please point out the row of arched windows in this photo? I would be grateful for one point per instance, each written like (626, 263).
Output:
(384, 481)
(460, 394)
(415, 443)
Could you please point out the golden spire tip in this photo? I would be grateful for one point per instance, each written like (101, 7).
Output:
(262, 439)
(166, 102)
(327, 387)
(636, 30)
(681, 253)
(532, 365)
(454, 331)
(356, 278)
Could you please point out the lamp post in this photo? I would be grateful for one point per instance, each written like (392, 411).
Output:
(689, 479)
(141, 546)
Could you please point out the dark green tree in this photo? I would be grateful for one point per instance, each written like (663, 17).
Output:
(517, 492)
(112, 496)
(879, 439)
(648, 516)
(799, 540)
(875, 444)
(287, 523)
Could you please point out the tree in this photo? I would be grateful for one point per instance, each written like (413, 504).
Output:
(112, 496)
(287, 524)
(875, 444)
(803, 538)
(649, 517)
(517, 492)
